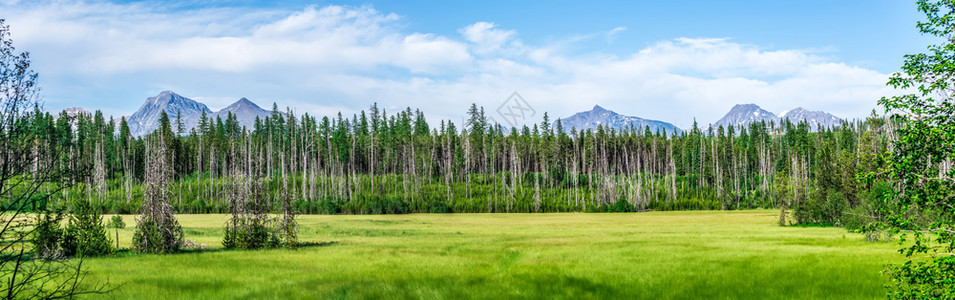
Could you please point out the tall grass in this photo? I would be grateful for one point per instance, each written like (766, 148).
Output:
(700, 254)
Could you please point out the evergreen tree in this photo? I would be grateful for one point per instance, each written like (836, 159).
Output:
(85, 235)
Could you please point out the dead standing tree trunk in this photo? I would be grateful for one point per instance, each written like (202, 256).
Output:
(157, 230)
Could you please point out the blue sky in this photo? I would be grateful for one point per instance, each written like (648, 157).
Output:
(667, 60)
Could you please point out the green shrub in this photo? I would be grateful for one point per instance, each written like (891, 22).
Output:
(623, 206)
(603, 207)
(148, 238)
(48, 236)
(249, 234)
(395, 205)
(85, 235)
(824, 207)
(440, 207)
(329, 206)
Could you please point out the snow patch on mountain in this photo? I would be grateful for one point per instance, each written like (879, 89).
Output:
(745, 114)
(599, 116)
(146, 119)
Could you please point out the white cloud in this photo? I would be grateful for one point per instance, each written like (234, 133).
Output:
(613, 32)
(488, 38)
(323, 59)
(114, 38)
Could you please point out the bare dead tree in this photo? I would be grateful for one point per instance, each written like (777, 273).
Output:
(157, 230)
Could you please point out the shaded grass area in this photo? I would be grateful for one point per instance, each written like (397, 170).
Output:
(708, 254)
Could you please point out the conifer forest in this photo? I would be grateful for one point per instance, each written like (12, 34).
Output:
(378, 162)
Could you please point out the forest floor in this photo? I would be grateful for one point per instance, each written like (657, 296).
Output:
(690, 254)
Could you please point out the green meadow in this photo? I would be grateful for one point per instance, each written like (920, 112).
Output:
(688, 254)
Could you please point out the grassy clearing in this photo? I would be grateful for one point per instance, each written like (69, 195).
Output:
(647, 255)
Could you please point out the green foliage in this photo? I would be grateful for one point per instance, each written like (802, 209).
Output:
(48, 236)
(598, 208)
(85, 234)
(149, 237)
(824, 207)
(924, 279)
(117, 222)
(377, 205)
(920, 165)
(868, 216)
(440, 207)
(250, 234)
(329, 206)
(623, 206)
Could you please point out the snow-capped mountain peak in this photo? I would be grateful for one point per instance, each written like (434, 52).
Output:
(813, 118)
(745, 114)
(599, 116)
(146, 119)
(244, 110)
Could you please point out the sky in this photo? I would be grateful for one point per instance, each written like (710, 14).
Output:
(676, 61)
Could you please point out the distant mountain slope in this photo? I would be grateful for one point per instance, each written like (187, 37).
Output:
(72, 112)
(745, 114)
(600, 116)
(813, 118)
(146, 119)
(244, 110)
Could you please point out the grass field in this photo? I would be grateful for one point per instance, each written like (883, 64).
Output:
(711, 254)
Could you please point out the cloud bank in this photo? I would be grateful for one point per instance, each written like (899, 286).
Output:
(322, 60)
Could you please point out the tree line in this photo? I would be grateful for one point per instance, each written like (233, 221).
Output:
(376, 162)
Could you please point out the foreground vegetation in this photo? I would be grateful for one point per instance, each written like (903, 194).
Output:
(740, 254)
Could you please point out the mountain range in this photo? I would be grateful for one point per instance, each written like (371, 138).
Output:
(600, 116)
(745, 114)
(146, 119)
(814, 118)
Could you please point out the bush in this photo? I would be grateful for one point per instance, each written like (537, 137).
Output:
(440, 207)
(121, 207)
(249, 234)
(85, 235)
(47, 237)
(623, 206)
(835, 204)
(825, 207)
(395, 205)
(603, 207)
(328, 206)
(149, 238)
